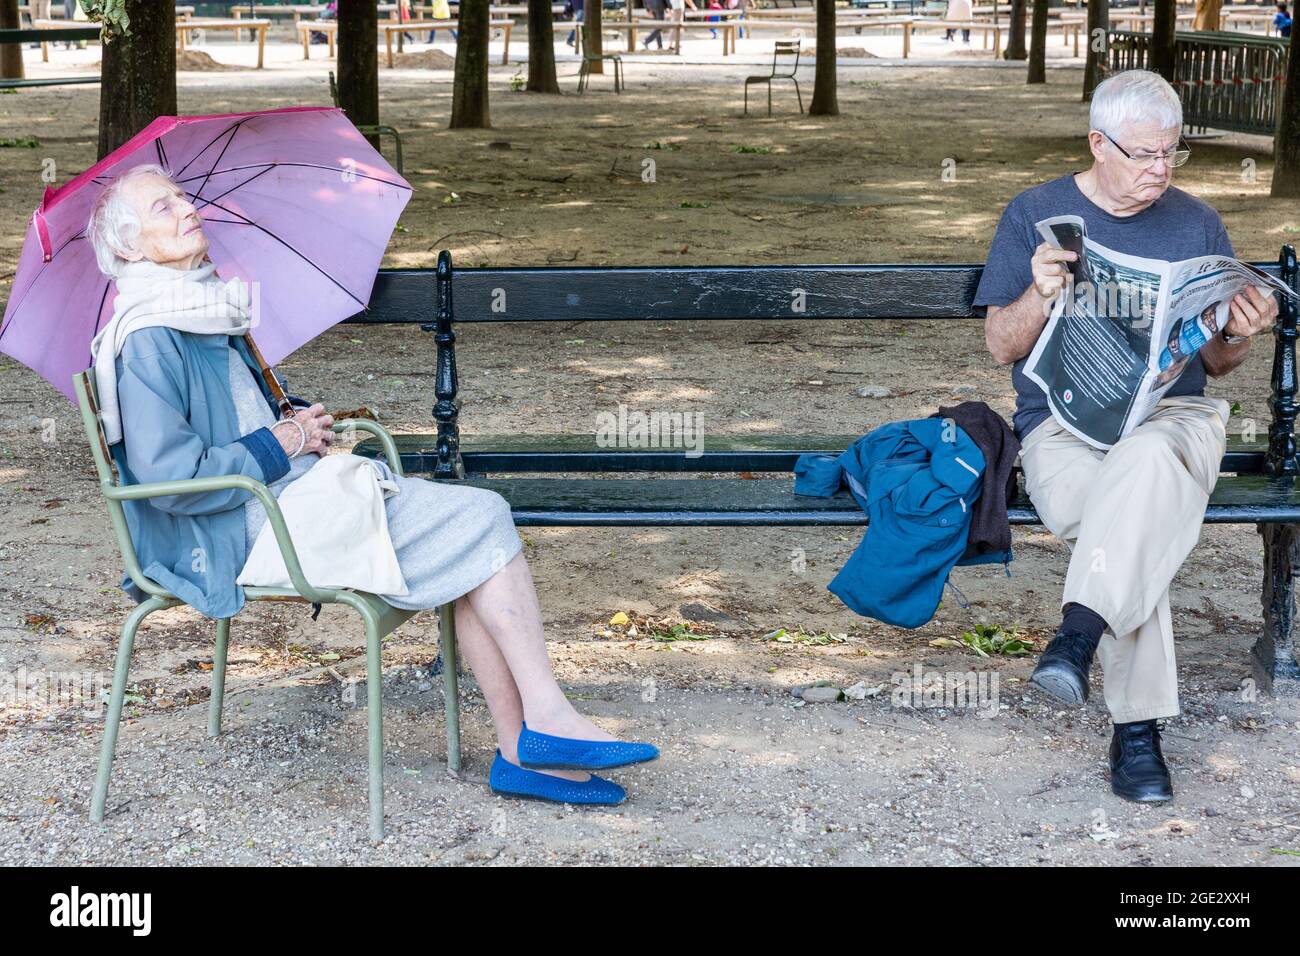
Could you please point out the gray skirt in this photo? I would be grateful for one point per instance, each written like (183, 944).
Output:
(449, 539)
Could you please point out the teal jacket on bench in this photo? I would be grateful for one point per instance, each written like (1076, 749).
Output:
(179, 421)
(917, 481)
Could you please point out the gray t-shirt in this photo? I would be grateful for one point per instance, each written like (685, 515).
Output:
(1176, 226)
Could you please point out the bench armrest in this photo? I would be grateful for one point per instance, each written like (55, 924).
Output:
(379, 431)
(222, 482)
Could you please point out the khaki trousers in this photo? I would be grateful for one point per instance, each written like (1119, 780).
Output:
(1131, 516)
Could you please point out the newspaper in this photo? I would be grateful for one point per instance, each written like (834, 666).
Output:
(1125, 327)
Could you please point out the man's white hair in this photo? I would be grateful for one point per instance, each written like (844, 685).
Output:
(1134, 96)
(113, 225)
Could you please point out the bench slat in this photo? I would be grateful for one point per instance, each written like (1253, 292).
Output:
(660, 294)
(540, 453)
(587, 502)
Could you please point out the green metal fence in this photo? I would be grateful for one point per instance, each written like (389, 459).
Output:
(1230, 81)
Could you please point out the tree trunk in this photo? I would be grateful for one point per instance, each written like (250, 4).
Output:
(137, 74)
(1094, 69)
(824, 100)
(1038, 44)
(469, 93)
(11, 54)
(1286, 141)
(594, 43)
(541, 48)
(1162, 38)
(358, 53)
(1016, 38)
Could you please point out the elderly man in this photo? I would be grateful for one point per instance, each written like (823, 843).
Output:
(1131, 514)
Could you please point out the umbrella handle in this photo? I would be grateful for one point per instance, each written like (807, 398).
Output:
(272, 382)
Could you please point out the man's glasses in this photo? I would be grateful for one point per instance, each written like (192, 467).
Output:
(1175, 157)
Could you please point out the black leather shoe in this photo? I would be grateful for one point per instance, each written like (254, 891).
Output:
(1137, 767)
(1062, 671)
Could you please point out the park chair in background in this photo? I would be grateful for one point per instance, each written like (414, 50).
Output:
(782, 48)
(372, 130)
(380, 618)
(584, 70)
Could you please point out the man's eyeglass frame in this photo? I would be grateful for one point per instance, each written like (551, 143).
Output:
(1174, 158)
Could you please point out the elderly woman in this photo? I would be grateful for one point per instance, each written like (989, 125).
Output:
(1133, 513)
(174, 363)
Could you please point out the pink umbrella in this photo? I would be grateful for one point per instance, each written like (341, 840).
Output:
(294, 200)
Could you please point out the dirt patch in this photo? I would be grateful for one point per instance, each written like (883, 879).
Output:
(424, 60)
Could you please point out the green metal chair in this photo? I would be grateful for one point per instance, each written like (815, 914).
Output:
(782, 48)
(380, 618)
(584, 68)
(372, 130)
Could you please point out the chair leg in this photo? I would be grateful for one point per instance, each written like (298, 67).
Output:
(218, 677)
(769, 97)
(796, 93)
(397, 144)
(112, 720)
(375, 718)
(451, 691)
(746, 113)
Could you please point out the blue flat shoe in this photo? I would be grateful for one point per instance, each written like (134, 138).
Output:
(544, 752)
(511, 781)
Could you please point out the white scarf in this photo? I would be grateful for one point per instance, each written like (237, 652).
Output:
(192, 300)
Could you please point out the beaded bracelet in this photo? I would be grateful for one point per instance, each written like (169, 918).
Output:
(302, 435)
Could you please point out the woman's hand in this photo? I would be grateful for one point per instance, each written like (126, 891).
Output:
(315, 422)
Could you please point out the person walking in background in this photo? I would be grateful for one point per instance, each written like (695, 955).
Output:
(1282, 20)
(656, 9)
(679, 15)
(405, 16)
(715, 5)
(442, 11)
(574, 9)
(743, 7)
(39, 10)
(958, 10)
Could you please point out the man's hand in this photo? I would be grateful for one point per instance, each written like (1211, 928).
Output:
(1010, 331)
(315, 423)
(1252, 313)
(1049, 271)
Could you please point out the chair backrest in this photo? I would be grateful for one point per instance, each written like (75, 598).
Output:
(83, 384)
(93, 421)
(785, 48)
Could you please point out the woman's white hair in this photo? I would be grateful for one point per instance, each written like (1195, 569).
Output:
(113, 225)
(1134, 96)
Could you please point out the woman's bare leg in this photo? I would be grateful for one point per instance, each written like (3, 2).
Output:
(506, 606)
(483, 657)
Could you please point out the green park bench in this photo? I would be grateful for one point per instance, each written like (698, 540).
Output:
(1258, 484)
(30, 35)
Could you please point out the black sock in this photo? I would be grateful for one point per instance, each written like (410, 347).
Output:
(1078, 619)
